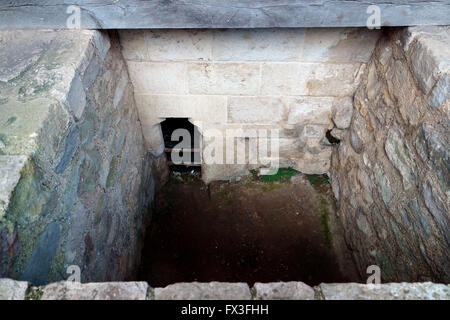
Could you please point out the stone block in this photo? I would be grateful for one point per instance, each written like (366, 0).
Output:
(133, 44)
(76, 98)
(430, 142)
(20, 50)
(406, 36)
(224, 78)
(156, 108)
(310, 110)
(283, 291)
(102, 42)
(120, 88)
(338, 133)
(10, 168)
(178, 45)
(313, 132)
(70, 145)
(223, 172)
(204, 291)
(256, 110)
(314, 164)
(158, 77)
(292, 78)
(287, 148)
(12, 290)
(67, 290)
(441, 92)
(430, 58)
(401, 86)
(438, 208)
(91, 73)
(385, 291)
(384, 184)
(342, 112)
(258, 44)
(401, 157)
(339, 45)
(166, 45)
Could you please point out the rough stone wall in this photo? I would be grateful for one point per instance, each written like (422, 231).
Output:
(75, 178)
(299, 81)
(390, 173)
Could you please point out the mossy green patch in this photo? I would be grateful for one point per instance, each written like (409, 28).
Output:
(29, 195)
(34, 293)
(282, 175)
(318, 179)
(30, 204)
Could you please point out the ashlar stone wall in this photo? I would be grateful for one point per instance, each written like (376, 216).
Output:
(390, 174)
(75, 177)
(298, 81)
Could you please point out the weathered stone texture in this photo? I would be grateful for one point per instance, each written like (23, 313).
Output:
(68, 290)
(204, 291)
(385, 291)
(391, 169)
(309, 79)
(78, 179)
(12, 290)
(283, 291)
(10, 167)
(159, 77)
(300, 80)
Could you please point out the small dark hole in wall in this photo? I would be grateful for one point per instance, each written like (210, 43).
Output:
(182, 140)
(331, 139)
